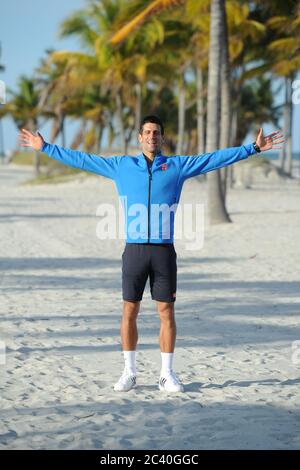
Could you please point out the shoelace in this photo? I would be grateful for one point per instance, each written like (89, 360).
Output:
(172, 376)
(126, 376)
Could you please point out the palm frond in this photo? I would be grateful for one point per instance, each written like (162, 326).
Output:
(154, 7)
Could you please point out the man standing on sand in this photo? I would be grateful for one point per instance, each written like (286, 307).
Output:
(146, 181)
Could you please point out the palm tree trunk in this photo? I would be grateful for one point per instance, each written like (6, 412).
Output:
(33, 125)
(286, 116)
(226, 112)
(99, 139)
(138, 108)
(200, 112)
(181, 115)
(62, 131)
(289, 153)
(121, 123)
(54, 130)
(79, 136)
(234, 142)
(233, 138)
(217, 209)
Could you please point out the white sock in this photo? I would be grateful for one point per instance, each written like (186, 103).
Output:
(130, 365)
(166, 362)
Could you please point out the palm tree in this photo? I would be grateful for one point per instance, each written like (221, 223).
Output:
(99, 66)
(54, 81)
(256, 105)
(286, 152)
(226, 98)
(121, 71)
(217, 209)
(285, 53)
(177, 48)
(177, 54)
(153, 8)
(24, 109)
(77, 93)
(246, 47)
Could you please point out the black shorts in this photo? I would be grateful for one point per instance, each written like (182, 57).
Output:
(143, 260)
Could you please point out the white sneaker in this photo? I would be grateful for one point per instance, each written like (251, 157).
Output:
(126, 382)
(170, 383)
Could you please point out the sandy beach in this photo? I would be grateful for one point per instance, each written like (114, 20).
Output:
(237, 312)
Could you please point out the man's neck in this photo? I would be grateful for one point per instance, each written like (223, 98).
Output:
(150, 155)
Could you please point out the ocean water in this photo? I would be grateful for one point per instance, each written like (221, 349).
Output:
(275, 155)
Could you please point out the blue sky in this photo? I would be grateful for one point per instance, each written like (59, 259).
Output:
(27, 29)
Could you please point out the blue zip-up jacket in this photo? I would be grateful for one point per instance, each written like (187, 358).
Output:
(149, 196)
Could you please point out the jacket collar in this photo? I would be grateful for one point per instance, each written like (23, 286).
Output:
(158, 160)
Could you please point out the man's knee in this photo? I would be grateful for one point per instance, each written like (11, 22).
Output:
(130, 309)
(166, 311)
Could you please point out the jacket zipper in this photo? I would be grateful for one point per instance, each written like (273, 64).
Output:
(149, 192)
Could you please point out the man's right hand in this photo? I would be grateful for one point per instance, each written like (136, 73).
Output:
(28, 139)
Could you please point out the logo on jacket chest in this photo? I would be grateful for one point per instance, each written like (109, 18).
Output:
(164, 167)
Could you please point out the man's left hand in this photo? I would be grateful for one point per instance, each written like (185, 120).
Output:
(270, 141)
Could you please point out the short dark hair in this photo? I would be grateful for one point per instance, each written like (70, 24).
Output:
(154, 120)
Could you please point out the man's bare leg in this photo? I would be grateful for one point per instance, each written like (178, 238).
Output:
(129, 332)
(129, 336)
(167, 334)
(168, 380)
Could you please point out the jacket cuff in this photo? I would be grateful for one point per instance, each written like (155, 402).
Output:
(43, 147)
(251, 150)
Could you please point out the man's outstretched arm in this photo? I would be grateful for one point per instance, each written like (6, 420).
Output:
(198, 164)
(84, 161)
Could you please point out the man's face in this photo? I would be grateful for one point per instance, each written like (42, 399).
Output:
(151, 139)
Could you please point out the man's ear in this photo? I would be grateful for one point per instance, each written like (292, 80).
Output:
(140, 138)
